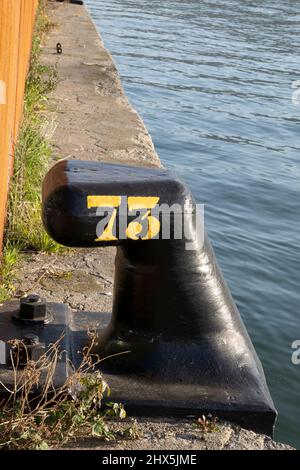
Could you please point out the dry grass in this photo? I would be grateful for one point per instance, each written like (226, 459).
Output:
(46, 417)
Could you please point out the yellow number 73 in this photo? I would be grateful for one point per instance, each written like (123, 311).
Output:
(106, 228)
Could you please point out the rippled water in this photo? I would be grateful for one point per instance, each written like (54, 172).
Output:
(212, 81)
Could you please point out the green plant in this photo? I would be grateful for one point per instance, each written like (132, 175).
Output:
(207, 425)
(33, 153)
(57, 416)
(9, 260)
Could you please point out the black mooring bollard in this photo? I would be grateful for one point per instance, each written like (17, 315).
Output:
(190, 353)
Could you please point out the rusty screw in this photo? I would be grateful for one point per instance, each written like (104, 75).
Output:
(33, 307)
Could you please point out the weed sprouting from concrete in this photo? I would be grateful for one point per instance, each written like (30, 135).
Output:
(207, 424)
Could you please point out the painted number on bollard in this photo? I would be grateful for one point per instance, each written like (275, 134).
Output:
(144, 226)
(135, 228)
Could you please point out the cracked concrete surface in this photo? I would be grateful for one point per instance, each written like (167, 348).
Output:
(184, 435)
(83, 279)
(91, 118)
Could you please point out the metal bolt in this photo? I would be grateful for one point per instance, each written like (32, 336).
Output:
(33, 307)
(30, 339)
(31, 350)
(32, 298)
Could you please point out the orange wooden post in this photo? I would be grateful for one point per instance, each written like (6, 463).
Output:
(16, 28)
(9, 43)
(25, 40)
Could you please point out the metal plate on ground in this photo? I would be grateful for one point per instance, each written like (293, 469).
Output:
(150, 391)
(47, 334)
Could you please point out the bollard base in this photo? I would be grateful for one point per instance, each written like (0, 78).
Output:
(173, 380)
(161, 379)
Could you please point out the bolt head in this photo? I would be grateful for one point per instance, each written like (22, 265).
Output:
(33, 307)
(30, 339)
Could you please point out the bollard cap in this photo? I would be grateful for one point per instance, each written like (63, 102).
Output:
(75, 191)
